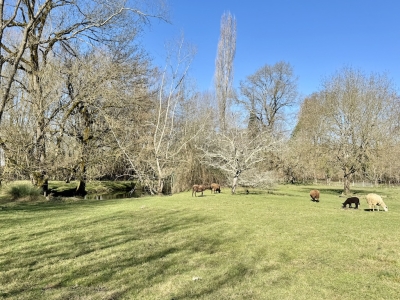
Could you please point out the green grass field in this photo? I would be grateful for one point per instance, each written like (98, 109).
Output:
(276, 245)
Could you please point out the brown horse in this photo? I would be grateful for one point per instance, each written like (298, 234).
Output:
(197, 188)
(215, 187)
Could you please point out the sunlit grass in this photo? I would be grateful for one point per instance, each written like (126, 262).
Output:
(276, 245)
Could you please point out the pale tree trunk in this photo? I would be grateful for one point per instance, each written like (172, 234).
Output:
(235, 179)
(160, 184)
(346, 185)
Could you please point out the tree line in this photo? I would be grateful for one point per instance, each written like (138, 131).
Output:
(81, 100)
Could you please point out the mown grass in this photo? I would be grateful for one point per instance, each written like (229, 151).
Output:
(276, 245)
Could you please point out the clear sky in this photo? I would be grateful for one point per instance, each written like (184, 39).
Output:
(317, 37)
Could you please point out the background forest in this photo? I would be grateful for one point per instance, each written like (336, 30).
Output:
(81, 100)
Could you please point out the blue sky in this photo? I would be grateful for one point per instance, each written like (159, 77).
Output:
(317, 37)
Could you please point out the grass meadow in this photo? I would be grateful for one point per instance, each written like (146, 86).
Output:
(265, 245)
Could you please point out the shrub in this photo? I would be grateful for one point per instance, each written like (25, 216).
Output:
(18, 191)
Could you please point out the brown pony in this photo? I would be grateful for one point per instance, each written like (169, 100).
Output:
(215, 187)
(197, 188)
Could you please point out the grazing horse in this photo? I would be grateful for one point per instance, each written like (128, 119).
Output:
(215, 187)
(197, 188)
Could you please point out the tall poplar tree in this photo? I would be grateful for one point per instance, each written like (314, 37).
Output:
(224, 65)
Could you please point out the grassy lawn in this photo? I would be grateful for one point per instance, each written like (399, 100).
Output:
(277, 245)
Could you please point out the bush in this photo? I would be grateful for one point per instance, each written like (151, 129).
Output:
(18, 191)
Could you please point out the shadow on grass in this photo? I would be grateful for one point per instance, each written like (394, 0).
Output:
(57, 204)
(233, 274)
(370, 210)
(93, 251)
(254, 192)
(338, 191)
(330, 191)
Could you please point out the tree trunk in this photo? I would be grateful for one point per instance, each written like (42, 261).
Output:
(86, 136)
(234, 184)
(346, 185)
(40, 180)
(346, 180)
(40, 136)
(81, 188)
(40, 146)
(36, 64)
(160, 183)
(160, 186)
(235, 179)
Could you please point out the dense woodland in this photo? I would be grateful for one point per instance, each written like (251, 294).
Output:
(81, 100)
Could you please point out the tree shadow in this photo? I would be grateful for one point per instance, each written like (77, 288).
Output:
(331, 191)
(88, 238)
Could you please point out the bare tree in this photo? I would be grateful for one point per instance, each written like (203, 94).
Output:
(24, 114)
(358, 113)
(164, 133)
(100, 89)
(33, 32)
(237, 152)
(167, 138)
(223, 77)
(267, 93)
(30, 31)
